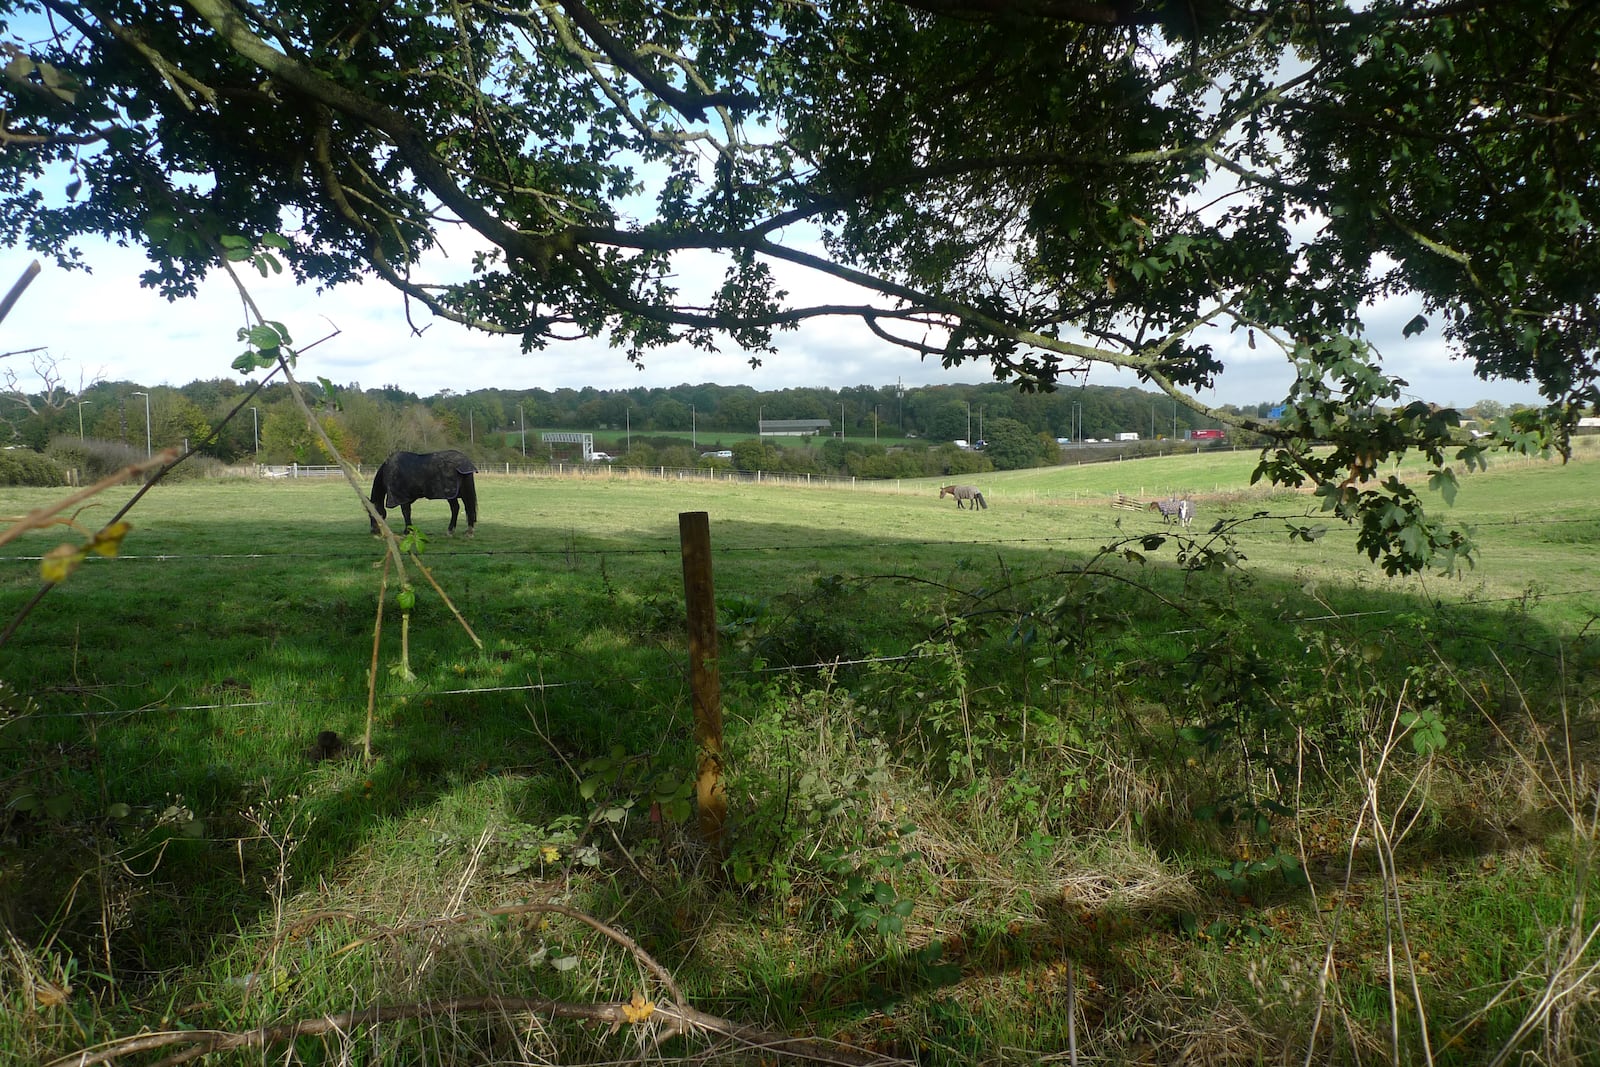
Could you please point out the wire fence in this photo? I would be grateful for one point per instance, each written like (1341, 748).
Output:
(671, 547)
(542, 687)
(712, 475)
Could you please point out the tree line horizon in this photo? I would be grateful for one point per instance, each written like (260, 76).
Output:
(367, 423)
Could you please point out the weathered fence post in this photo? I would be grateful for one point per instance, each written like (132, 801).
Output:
(694, 533)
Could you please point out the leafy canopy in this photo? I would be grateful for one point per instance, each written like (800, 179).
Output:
(1043, 184)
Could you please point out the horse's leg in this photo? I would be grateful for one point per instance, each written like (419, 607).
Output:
(455, 510)
(405, 512)
(469, 497)
(377, 500)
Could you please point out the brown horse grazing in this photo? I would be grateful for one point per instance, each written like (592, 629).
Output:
(964, 492)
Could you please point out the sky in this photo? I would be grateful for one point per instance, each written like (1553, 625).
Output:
(104, 326)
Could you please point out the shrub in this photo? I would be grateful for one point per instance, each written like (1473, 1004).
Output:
(92, 458)
(21, 466)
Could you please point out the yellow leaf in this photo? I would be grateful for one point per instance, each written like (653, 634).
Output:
(59, 563)
(108, 542)
(638, 1009)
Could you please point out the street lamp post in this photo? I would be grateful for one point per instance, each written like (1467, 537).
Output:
(694, 429)
(524, 426)
(80, 418)
(148, 451)
(255, 423)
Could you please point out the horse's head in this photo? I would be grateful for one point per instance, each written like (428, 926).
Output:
(946, 490)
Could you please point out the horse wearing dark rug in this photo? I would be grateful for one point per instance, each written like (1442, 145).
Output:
(408, 476)
(964, 492)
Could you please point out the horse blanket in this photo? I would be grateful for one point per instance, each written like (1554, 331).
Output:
(1179, 511)
(409, 476)
(964, 492)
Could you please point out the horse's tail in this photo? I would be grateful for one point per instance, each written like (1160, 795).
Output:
(377, 496)
(982, 503)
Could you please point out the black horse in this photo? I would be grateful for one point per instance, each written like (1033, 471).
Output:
(408, 476)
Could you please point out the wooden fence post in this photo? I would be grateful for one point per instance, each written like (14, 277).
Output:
(694, 533)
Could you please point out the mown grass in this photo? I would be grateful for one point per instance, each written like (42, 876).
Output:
(1082, 739)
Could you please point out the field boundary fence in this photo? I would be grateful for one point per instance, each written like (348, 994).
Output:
(607, 472)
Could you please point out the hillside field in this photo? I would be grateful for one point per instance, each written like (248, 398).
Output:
(1045, 781)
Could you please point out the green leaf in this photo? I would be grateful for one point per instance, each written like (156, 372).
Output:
(265, 335)
(59, 806)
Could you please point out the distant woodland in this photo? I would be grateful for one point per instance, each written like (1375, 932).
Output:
(885, 431)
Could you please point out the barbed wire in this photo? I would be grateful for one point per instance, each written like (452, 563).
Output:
(529, 687)
(649, 679)
(672, 547)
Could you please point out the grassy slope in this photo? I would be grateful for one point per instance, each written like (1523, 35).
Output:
(240, 622)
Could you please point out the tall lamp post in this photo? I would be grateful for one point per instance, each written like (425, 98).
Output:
(524, 425)
(148, 451)
(255, 422)
(80, 418)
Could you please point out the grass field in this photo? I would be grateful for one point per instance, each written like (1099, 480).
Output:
(1044, 780)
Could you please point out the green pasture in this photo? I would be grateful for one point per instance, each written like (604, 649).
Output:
(990, 772)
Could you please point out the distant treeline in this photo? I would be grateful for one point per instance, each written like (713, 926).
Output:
(367, 423)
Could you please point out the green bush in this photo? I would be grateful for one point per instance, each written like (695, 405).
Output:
(21, 466)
